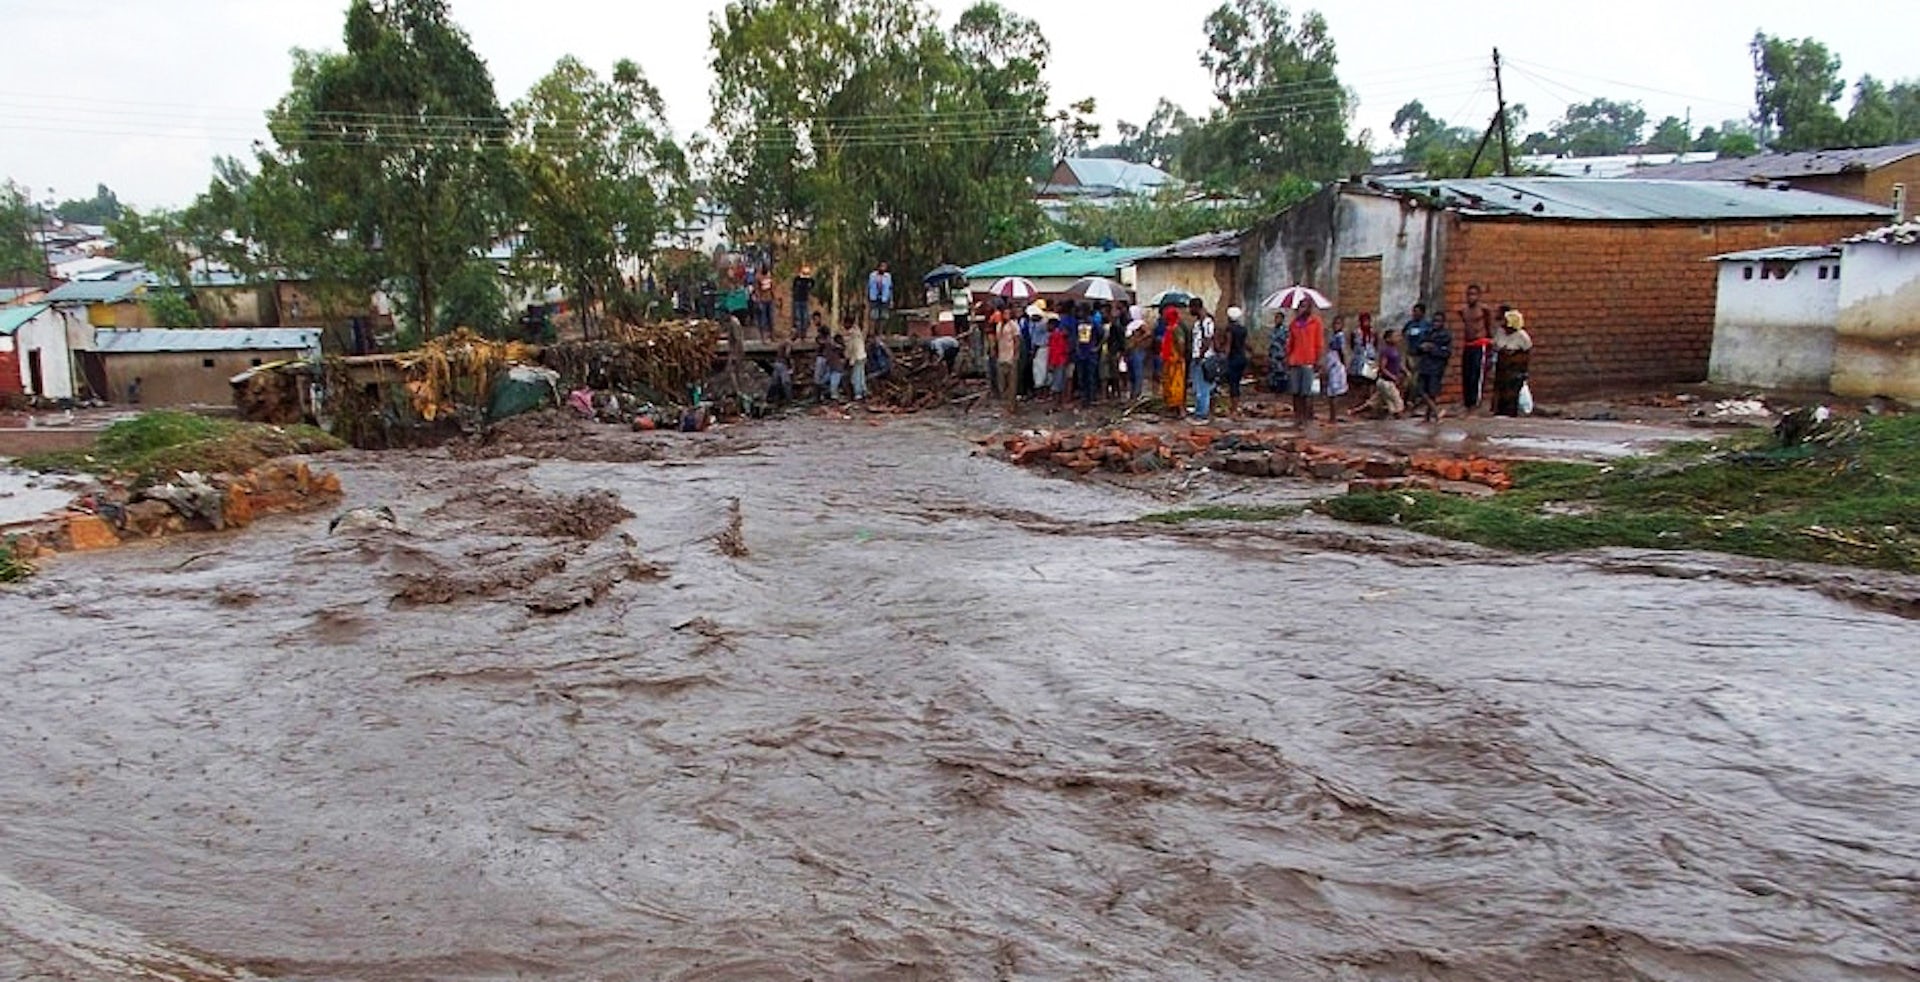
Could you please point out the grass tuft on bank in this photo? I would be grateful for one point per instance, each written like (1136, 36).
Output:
(1224, 513)
(151, 447)
(1855, 502)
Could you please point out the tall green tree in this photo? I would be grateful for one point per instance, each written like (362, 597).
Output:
(1796, 86)
(864, 126)
(1600, 127)
(1281, 110)
(20, 255)
(389, 166)
(1156, 142)
(1671, 136)
(100, 209)
(603, 177)
(1883, 114)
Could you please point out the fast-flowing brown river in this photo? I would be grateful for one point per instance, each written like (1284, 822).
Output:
(943, 719)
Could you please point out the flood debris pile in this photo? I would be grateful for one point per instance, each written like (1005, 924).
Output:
(549, 552)
(462, 383)
(917, 381)
(1250, 454)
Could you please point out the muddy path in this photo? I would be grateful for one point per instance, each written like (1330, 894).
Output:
(917, 714)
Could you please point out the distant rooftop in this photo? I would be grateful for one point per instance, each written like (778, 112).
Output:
(1784, 166)
(1122, 176)
(1212, 245)
(1056, 260)
(96, 291)
(161, 340)
(1628, 199)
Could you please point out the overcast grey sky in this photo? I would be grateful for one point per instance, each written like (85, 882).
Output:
(141, 94)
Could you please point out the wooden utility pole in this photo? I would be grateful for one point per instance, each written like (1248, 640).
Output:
(1506, 139)
(1499, 124)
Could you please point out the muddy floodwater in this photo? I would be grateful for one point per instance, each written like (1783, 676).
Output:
(910, 713)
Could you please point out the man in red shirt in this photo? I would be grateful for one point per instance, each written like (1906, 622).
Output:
(1306, 342)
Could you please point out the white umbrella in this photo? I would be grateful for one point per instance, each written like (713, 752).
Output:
(1294, 296)
(1098, 288)
(1014, 288)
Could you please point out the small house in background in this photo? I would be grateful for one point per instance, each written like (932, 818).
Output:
(182, 367)
(1877, 343)
(1099, 182)
(1206, 266)
(1773, 319)
(36, 351)
(1612, 274)
(1054, 266)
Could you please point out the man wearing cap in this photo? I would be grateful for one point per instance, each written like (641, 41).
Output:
(1237, 359)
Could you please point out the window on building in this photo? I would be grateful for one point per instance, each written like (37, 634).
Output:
(1749, 273)
(1836, 272)
(1823, 272)
(206, 363)
(256, 363)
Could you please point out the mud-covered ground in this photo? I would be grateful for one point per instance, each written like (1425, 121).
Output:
(908, 712)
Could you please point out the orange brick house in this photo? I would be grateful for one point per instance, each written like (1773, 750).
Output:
(1613, 275)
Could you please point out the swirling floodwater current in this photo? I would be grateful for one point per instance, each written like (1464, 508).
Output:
(907, 712)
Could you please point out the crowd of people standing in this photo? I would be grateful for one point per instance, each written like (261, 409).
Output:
(1080, 351)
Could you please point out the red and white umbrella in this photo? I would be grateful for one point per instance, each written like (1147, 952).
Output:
(1098, 288)
(1294, 296)
(1014, 288)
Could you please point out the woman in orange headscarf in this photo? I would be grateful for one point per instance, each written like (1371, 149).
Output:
(1173, 364)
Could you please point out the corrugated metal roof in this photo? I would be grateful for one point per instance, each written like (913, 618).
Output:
(1906, 233)
(1212, 245)
(1780, 254)
(159, 340)
(1057, 259)
(1120, 175)
(1784, 166)
(103, 291)
(14, 318)
(1630, 199)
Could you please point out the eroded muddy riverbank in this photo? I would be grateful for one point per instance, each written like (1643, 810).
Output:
(943, 719)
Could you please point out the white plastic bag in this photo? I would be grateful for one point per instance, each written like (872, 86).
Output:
(1526, 399)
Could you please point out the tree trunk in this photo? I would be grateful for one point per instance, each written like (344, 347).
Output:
(424, 280)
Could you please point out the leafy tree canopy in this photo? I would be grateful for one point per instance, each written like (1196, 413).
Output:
(1281, 111)
(1796, 86)
(100, 209)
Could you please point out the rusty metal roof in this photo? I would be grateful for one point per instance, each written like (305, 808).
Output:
(1627, 199)
(1212, 245)
(1784, 166)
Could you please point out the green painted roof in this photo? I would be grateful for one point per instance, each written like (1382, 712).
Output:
(1057, 259)
(14, 318)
